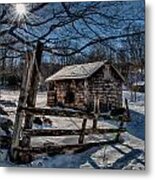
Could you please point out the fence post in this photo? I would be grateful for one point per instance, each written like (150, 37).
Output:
(96, 110)
(32, 93)
(117, 139)
(21, 103)
(81, 137)
(23, 99)
(127, 108)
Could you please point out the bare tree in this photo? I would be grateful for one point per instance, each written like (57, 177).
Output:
(70, 31)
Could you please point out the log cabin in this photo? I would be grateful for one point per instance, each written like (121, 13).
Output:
(86, 86)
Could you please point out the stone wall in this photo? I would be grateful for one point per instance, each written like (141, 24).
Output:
(61, 88)
(107, 87)
(104, 84)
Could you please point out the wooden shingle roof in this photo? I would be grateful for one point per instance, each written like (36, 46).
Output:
(78, 71)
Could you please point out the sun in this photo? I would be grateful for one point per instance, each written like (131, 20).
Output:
(21, 10)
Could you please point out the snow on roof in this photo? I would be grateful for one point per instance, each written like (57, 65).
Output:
(78, 71)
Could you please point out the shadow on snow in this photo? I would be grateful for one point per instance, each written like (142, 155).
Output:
(137, 125)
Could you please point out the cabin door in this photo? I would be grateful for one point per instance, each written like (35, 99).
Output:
(70, 95)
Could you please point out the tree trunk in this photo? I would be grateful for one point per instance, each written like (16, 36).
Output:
(32, 93)
(23, 99)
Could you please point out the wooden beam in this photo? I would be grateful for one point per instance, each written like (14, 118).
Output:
(86, 91)
(81, 137)
(67, 132)
(32, 92)
(95, 122)
(127, 109)
(63, 149)
(28, 76)
(119, 132)
(96, 109)
(58, 112)
(106, 116)
(22, 101)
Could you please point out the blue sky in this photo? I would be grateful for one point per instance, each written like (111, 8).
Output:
(109, 19)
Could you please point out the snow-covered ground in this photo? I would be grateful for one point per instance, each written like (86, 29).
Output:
(129, 155)
(137, 110)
